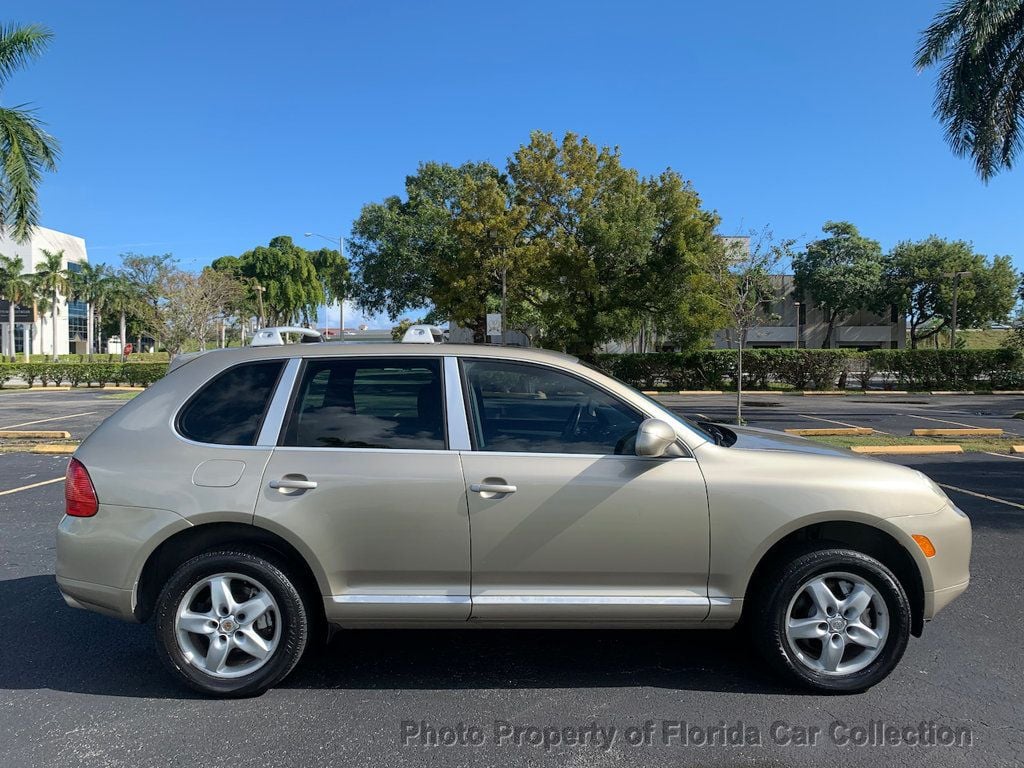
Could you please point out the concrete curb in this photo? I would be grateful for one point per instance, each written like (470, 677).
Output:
(53, 448)
(906, 449)
(831, 432)
(972, 431)
(119, 388)
(36, 434)
(885, 392)
(820, 393)
(12, 390)
(1018, 449)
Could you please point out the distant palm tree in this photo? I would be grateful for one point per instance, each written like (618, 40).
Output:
(26, 150)
(14, 288)
(979, 95)
(121, 295)
(88, 284)
(51, 281)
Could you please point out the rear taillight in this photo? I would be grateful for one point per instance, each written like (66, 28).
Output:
(79, 495)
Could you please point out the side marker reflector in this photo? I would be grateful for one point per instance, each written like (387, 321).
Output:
(925, 544)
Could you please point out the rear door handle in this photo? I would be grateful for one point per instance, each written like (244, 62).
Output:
(289, 483)
(492, 488)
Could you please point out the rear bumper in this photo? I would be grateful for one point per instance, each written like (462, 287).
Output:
(110, 601)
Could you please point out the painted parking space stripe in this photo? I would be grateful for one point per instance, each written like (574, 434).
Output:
(840, 423)
(31, 486)
(942, 421)
(1004, 455)
(54, 418)
(996, 499)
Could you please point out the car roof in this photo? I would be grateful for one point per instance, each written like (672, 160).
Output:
(236, 355)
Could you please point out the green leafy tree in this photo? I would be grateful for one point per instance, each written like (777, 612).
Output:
(918, 280)
(979, 98)
(14, 289)
(592, 225)
(292, 287)
(26, 149)
(51, 280)
(398, 246)
(842, 272)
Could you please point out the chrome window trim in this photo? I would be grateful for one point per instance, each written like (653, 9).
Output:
(629, 456)
(274, 420)
(455, 407)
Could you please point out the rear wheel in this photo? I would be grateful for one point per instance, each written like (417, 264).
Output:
(835, 620)
(231, 623)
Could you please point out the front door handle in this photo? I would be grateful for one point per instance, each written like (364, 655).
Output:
(492, 488)
(293, 484)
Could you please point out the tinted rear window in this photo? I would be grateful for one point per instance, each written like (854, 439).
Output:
(230, 409)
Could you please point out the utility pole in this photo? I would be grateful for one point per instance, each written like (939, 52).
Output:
(259, 297)
(504, 305)
(956, 288)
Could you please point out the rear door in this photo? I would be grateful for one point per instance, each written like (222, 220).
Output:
(363, 477)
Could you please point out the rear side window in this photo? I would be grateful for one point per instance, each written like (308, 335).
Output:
(376, 402)
(230, 409)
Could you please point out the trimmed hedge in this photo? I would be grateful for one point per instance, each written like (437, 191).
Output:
(138, 357)
(821, 369)
(139, 374)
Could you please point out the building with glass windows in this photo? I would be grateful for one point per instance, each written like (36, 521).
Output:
(32, 327)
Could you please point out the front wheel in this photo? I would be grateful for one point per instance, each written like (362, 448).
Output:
(231, 623)
(835, 620)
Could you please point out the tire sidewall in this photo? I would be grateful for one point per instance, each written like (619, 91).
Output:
(291, 611)
(820, 562)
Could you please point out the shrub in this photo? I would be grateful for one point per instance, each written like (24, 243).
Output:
(77, 374)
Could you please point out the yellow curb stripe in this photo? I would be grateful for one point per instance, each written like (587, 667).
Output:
(33, 485)
(54, 448)
(906, 449)
(975, 431)
(36, 434)
(1018, 449)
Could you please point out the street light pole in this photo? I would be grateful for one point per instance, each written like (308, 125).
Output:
(956, 288)
(340, 242)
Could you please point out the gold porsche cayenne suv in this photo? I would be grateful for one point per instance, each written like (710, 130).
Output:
(278, 493)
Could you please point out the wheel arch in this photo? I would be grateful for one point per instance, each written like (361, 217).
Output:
(181, 546)
(869, 539)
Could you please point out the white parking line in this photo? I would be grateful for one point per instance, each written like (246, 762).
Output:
(1004, 455)
(33, 485)
(983, 496)
(43, 421)
(840, 423)
(942, 421)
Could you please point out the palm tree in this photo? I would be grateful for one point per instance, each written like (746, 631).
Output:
(88, 285)
(979, 95)
(122, 296)
(14, 288)
(26, 150)
(51, 281)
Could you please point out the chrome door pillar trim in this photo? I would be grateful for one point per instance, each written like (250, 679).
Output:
(455, 407)
(278, 409)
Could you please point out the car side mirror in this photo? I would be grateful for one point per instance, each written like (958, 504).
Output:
(654, 437)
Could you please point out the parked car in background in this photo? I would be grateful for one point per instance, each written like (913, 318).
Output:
(281, 490)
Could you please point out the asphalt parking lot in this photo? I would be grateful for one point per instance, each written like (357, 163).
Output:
(80, 689)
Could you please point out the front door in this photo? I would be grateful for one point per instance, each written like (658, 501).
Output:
(363, 479)
(567, 522)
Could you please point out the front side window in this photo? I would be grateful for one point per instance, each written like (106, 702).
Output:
(395, 403)
(230, 409)
(518, 407)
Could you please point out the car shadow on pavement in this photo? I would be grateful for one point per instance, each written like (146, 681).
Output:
(46, 645)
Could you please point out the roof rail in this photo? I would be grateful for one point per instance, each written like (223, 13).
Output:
(271, 337)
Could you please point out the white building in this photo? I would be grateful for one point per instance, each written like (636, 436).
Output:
(71, 317)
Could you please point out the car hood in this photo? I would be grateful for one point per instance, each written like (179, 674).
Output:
(757, 439)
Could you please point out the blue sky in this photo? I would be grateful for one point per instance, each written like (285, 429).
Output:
(204, 129)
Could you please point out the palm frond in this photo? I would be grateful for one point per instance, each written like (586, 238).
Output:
(19, 45)
(26, 150)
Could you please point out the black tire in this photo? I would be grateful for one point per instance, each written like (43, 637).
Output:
(768, 617)
(292, 614)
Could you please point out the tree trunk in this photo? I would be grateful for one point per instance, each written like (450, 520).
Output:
(739, 378)
(53, 321)
(827, 343)
(88, 330)
(10, 330)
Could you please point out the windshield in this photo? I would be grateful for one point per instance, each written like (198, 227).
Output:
(687, 422)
